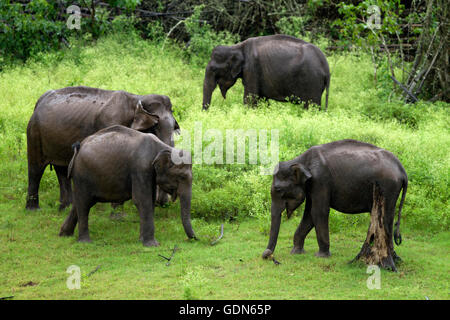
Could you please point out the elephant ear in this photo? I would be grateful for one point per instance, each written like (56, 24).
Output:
(301, 173)
(143, 120)
(291, 205)
(236, 62)
(163, 161)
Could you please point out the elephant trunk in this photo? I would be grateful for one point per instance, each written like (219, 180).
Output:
(276, 210)
(185, 204)
(209, 84)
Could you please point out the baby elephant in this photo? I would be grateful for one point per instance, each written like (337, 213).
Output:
(117, 164)
(345, 175)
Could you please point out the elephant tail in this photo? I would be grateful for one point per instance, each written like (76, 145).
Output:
(327, 87)
(76, 148)
(397, 235)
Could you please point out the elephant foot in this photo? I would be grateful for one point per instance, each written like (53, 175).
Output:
(64, 232)
(84, 239)
(63, 206)
(297, 250)
(322, 254)
(151, 243)
(32, 203)
(32, 208)
(267, 253)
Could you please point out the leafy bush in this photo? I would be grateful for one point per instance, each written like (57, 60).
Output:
(203, 39)
(28, 29)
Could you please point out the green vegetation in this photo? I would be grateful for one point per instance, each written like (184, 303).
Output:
(236, 195)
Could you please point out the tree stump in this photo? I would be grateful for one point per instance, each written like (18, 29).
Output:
(378, 248)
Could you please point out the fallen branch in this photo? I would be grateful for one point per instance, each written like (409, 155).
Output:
(275, 261)
(405, 89)
(170, 31)
(169, 259)
(94, 271)
(5, 298)
(220, 237)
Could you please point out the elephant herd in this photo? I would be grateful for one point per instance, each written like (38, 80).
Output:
(113, 146)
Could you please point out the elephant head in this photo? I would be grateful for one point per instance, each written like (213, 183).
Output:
(288, 193)
(224, 68)
(176, 180)
(153, 114)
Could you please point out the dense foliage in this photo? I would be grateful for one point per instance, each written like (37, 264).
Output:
(393, 32)
(26, 30)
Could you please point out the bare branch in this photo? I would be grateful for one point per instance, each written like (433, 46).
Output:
(220, 237)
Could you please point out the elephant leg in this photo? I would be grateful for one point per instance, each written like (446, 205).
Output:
(250, 99)
(389, 231)
(303, 229)
(65, 188)
(83, 203)
(145, 206)
(318, 100)
(68, 227)
(251, 91)
(320, 212)
(35, 172)
(306, 105)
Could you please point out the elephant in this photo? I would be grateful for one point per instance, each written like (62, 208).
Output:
(277, 67)
(340, 175)
(117, 164)
(62, 117)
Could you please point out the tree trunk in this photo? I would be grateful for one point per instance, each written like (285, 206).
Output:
(378, 248)
(429, 73)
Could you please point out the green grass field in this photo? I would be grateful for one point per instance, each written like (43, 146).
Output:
(34, 259)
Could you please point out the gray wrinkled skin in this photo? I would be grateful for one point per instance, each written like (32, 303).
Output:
(117, 164)
(275, 67)
(62, 117)
(339, 175)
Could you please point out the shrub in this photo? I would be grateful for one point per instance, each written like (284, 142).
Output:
(203, 39)
(28, 29)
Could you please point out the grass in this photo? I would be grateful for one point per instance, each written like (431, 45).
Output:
(231, 269)
(34, 259)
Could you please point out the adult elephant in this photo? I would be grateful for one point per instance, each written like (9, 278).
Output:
(351, 177)
(278, 67)
(62, 117)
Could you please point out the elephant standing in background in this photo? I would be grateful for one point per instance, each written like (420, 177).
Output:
(62, 117)
(117, 164)
(349, 176)
(278, 67)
